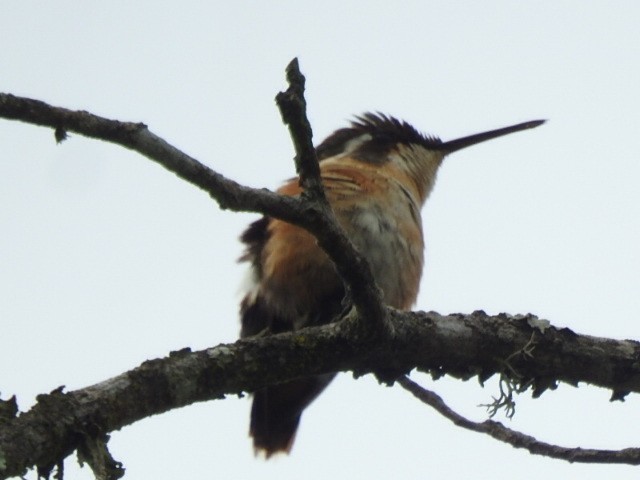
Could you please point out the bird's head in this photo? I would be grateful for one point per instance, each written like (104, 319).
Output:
(378, 139)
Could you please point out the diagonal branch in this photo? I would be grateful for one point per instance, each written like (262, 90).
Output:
(293, 108)
(137, 137)
(498, 431)
(229, 194)
(351, 265)
(306, 212)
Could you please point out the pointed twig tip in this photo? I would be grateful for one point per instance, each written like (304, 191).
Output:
(293, 64)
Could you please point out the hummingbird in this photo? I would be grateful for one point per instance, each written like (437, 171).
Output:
(377, 174)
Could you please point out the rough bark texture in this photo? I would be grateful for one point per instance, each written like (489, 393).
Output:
(459, 345)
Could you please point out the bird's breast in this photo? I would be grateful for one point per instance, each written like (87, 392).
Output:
(379, 214)
(379, 210)
(392, 243)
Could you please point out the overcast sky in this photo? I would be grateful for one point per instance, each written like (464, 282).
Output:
(107, 260)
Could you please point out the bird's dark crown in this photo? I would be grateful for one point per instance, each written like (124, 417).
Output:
(385, 132)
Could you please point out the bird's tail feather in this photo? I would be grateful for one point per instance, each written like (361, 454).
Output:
(276, 412)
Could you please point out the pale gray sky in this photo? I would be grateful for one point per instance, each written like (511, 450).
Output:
(108, 260)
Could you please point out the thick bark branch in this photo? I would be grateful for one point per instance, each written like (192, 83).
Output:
(459, 345)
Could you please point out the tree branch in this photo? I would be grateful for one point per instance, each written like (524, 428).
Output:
(230, 195)
(137, 137)
(517, 439)
(350, 264)
(293, 108)
(459, 345)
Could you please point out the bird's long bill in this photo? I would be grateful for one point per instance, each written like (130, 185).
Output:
(460, 143)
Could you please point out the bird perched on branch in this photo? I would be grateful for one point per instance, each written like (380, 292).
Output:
(377, 174)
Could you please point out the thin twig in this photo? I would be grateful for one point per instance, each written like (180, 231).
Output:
(293, 108)
(517, 439)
